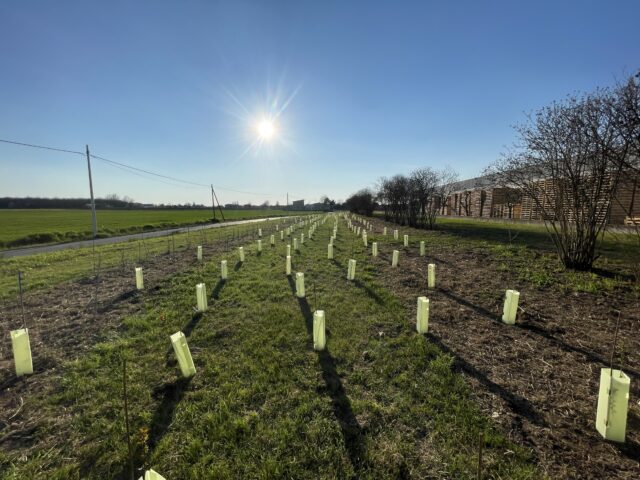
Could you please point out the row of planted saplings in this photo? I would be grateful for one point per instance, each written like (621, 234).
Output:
(20, 342)
(614, 387)
(20, 338)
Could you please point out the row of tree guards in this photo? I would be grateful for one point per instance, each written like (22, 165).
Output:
(611, 416)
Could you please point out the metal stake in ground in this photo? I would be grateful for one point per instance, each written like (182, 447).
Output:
(24, 322)
(613, 351)
(480, 444)
(126, 416)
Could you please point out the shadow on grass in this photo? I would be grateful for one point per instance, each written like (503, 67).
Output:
(170, 395)
(215, 294)
(517, 403)
(237, 266)
(494, 232)
(349, 426)
(371, 293)
(123, 297)
(170, 359)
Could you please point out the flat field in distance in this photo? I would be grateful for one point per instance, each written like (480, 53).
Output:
(21, 227)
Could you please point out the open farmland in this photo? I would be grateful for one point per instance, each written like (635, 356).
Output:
(382, 401)
(38, 226)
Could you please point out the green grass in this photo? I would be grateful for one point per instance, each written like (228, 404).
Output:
(39, 226)
(45, 270)
(380, 402)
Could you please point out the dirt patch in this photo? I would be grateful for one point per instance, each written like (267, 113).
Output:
(538, 379)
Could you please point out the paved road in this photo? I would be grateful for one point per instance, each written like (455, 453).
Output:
(21, 252)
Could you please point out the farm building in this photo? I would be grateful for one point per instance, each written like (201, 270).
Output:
(481, 197)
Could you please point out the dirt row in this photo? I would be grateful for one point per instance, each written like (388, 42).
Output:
(538, 379)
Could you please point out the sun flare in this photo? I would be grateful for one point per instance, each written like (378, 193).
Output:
(266, 129)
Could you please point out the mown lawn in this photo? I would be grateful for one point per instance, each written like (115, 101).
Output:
(27, 227)
(379, 402)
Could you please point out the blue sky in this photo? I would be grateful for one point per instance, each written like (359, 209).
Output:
(373, 89)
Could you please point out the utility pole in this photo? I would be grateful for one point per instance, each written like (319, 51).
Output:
(93, 202)
(213, 204)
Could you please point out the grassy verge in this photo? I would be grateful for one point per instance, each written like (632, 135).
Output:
(380, 402)
(40, 226)
(527, 249)
(48, 269)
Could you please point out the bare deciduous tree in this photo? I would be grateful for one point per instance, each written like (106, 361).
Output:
(568, 163)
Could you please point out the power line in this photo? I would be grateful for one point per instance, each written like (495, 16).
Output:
(41, 146)
(136, 169)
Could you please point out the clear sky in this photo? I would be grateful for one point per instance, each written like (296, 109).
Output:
(360, 89)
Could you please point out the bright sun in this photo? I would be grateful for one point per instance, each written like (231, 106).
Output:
(266, 129)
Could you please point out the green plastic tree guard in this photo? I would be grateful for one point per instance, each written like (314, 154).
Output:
(224, 273)
(613, 404)
(139, 278)
(510, 307)
(431, 275)
(181, 349)
(300, 285)
(319, 331)
(394, 258)
(422, 321)
(201, 297)
(21, 352)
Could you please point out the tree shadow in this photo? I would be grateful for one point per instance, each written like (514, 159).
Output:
(517, 403)
(562, 345)
(170, 394)
(476, 308)
(352, 433)
(215, 294)
(371, 293)
(123, 297)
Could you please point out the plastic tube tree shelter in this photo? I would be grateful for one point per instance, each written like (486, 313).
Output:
(431, 275)
(260, 246)
(224, 273)
(374, 249)
(288, 265)
(422, 248)
(152, 475)
(351, 270)
(422, 320)
(384, 231)
(330, 251)
(395, 234)
(273, 240)
(199, 253)
(241, 253)
(319, 332)
(139, 278)
(282, 235)
(510, 307)
(295, 244)
(181, 349)
(394, 258)
(260, 232)
(364, 238)
(300, 285)
(613, 403)
(201, 297)
(22, 352)
(288, 249)
(406, 240)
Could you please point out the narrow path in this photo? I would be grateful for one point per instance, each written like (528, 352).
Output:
(21, 252)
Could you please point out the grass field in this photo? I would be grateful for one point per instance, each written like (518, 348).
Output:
(380, 402)
(39, 226)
